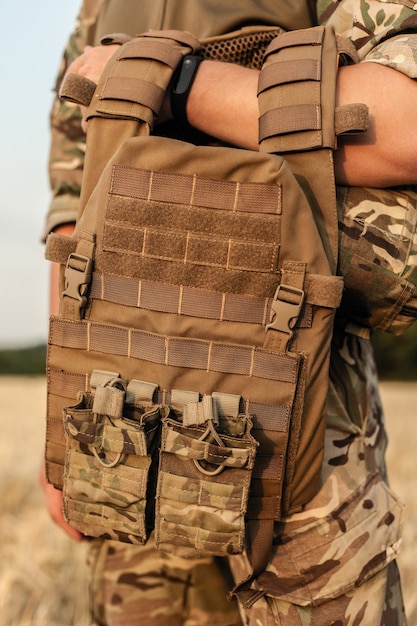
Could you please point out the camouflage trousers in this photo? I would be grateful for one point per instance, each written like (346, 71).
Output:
(331, 564)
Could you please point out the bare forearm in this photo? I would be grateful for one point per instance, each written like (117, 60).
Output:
(386, 155)
(223, 103)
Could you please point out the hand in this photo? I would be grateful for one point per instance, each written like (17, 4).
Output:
(53, 500)
(93, 61)
(91, 64)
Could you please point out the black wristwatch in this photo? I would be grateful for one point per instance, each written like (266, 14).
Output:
(181, 87)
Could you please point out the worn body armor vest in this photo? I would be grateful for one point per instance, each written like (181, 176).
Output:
(188, 367)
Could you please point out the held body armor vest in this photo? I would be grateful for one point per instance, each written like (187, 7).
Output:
(188, 367)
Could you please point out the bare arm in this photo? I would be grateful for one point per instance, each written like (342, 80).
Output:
(384, 156)
(223, 103)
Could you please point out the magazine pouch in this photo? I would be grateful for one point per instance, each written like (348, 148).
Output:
(204, 476)
(108, 479)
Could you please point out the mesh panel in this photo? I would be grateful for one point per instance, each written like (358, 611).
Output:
(247, 50)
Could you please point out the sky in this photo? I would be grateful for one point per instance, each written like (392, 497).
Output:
(34, 33)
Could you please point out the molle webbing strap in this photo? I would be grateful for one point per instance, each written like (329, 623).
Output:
(322, 291)
(299, 74)
(293, 76)
(296, 95)
(196, 354)
(128, 96)
(134, 82)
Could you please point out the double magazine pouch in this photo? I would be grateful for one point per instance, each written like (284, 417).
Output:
(188, 367)
(112, 441)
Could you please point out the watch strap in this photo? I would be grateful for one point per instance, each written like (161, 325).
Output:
(181, 87)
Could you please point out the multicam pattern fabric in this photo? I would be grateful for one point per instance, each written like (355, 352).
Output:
(327, 561)
(375, 28)
(328, 558)
(203, 489)
(67, 147)
(133, 585)
(378, 255)
(102, 497)
(379, 220)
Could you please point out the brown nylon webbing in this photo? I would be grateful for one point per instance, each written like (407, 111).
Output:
(303, 37)
(265, 417)
(148, 49)
(202, 303)
(181, 300)
(289, 72)
(195, 190)
(290, 119)
(66, 384)
(268, 421)
(133, 90)
(176, 352)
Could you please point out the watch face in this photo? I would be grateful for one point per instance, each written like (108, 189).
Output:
(188, 68)
(180, 91)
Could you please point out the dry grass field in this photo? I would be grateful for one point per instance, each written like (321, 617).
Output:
(43, 575)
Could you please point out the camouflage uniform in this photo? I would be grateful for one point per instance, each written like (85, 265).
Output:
(334, 562)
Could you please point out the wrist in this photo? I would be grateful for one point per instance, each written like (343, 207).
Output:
(181, 87)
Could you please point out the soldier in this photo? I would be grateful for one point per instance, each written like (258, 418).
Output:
(327, 564)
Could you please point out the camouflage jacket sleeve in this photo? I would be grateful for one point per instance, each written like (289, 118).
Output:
(67, 144)
(378, 225)
(383, 32)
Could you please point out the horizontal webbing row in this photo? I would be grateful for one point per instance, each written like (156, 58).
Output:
(145, 48)
(265, 417)
(180, 300)
(193, 190)
(208, 356)
(136, 78)
(269, 422)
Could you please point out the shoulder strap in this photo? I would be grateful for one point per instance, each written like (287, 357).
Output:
(125, 100)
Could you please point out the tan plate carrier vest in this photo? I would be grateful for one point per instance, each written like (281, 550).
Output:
(188, 367)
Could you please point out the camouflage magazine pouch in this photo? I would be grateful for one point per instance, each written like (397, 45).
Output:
(203, 482)
(108, 465)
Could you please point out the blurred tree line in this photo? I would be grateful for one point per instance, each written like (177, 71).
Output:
(23, 361)
(396, 357)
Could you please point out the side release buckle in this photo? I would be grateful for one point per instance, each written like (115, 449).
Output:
(286, 308)
(78, 277)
